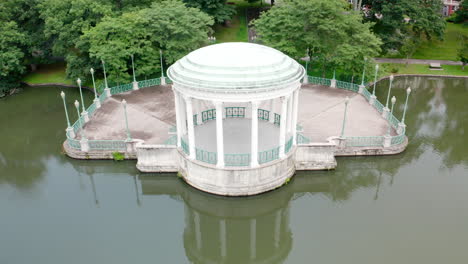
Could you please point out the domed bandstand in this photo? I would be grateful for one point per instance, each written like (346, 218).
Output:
(237, 114)
(239, 119)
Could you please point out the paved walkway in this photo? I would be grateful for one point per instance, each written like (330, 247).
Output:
(416, 61)
(151, 114)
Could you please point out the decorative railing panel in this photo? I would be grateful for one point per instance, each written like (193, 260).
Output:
(121, 88)
(73, 143)
(235, 112)
(171, 140)
(236, 160)
(206, 156)
(347, 86)
(263, 114)
(268, 155)
(148, 83)
(208, 115)
(277, 119)
(366, 94)
(320, 81)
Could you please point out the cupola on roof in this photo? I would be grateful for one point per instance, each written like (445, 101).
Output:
(235, 66)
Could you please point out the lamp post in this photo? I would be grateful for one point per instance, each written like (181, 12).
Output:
(386, 109)
(96, 100)
(124, 103)
(375, 78)
(333, 81)
(163, 79)
(387, 138)
(69, 130)
(84, 113)
(390, 116)
(362, 86)
(84, 141)
(364, 71)
(344, 117)
(135, 83)
(305, 80)
(106, 86)
(402, 125)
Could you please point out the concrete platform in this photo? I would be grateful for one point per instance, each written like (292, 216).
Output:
(151, 114)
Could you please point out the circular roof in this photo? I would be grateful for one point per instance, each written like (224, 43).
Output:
(235, 66)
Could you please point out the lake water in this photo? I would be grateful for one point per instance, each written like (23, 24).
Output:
(407, 208)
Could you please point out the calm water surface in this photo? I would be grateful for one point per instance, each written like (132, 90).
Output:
(408, 208)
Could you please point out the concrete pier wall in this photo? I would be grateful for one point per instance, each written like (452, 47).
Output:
(315, 156)
(236, 181)
(157, 158)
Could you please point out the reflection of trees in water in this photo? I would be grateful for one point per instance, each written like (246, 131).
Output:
(32, 130)
(437, 115)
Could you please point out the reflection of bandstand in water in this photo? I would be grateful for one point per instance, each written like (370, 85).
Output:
(241, 230)
(229, 230)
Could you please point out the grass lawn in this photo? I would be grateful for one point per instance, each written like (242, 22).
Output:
(237, 31)
(422, 69)
(443, 50)
(53, 73)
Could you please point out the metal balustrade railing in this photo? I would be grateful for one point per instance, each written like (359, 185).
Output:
(268, 155)
(263, 114)
(264, 156)
(235, 112)
(206, 156)
(237, 160)
(109, 145)
(209, 114)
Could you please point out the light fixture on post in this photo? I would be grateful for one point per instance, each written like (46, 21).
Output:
(83, 113)
(70, 132)
(96, 100)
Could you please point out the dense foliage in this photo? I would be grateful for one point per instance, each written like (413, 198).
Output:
(218, 9)
(168, 26)
(42, 31)
(463, 51)
(334, 35)
(461, 15)
(396, 19)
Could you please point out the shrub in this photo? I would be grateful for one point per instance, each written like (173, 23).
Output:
(118, 156)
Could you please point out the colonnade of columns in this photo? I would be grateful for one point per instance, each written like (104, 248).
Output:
(288, 124)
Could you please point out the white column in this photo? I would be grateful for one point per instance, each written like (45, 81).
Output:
(254, 135)
(191, 132)
(295, 113)
(289, 116)
(253, 238)
(284, 104)
(178, 117)
(272, 114)
(222, 237)
(183, 115)
(219, 133)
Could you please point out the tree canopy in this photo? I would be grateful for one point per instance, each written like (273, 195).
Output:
(218, 9)
(334, 35)
(168, 26)
(395, 19)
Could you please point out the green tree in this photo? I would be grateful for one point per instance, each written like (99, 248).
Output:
(463, 51)
(335, 36)
(65, 22)
(462, 12)
(168, 26)
(11, 55)
(395, 19)
(218, 9)
(25, 13)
